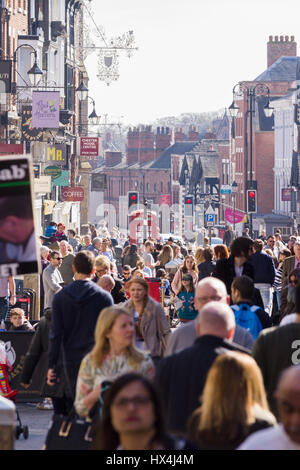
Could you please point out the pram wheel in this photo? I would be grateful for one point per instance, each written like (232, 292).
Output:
(25, 432)
(22, 430)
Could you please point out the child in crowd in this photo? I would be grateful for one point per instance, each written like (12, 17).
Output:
(184, 302)
(18, 320)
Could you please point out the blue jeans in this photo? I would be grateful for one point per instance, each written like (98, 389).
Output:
(3, 308)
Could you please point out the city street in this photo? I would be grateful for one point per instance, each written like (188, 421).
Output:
(37, 422)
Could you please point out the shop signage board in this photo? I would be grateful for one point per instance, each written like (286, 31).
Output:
(29, 132)
(45, 109)
(56, 154)
(286, 194)
(11, 149)
(53, 171)
(89, 146)
(63, 179)
(42, 184)
(73, 194)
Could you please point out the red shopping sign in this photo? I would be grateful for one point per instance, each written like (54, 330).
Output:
(73, 194)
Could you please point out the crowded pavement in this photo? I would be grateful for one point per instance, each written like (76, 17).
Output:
(207, 334)
(149, 230)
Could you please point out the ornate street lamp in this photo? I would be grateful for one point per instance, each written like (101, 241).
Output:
(260, 89)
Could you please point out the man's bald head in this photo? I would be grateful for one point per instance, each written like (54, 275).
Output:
(210, 289)
(288, 400)
(217, 319)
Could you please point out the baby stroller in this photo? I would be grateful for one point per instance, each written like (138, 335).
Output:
(7, 392)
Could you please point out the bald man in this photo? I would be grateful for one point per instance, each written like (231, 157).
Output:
(285, 436)
(106, 282)
(180, 378)
(208, 289)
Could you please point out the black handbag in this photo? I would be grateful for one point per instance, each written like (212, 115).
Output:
(70, 432)
(74, 432)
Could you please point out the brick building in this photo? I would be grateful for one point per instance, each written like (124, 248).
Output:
(14, 18)
(279, 77)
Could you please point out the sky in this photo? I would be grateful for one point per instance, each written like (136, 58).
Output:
(190, 54)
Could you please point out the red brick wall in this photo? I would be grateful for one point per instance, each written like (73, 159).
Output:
(179, 135)
(113, 158)
(263, 166)
(280, 46)
(162, 140)
(122, 181)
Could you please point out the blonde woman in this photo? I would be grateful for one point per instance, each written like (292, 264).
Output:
(199, 255)
(114, 354)
(233, 404)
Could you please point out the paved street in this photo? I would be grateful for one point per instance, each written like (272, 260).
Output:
(37, 422)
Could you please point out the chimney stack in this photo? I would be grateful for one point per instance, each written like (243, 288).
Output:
(279, 47)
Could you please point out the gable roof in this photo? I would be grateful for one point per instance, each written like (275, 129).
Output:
(283, 69)
(179, 148)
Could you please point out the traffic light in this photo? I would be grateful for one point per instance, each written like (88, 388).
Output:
(133, 198)
(251, 201)
(189, 206)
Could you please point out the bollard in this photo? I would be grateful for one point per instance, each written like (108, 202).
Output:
(7, 424)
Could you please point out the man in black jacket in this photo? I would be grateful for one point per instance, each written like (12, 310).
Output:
(180, 378)
(76, 309)
(237, 264)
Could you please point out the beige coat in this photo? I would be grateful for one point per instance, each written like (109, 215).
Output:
(155, 327)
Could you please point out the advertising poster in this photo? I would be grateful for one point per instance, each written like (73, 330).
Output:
(18, 251)
(45, 109)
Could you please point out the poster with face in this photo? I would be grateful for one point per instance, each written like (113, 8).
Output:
(18, 249)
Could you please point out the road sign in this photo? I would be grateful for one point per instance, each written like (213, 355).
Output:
(210, 216)
(226, 189)
(210, 219)
(210, 210)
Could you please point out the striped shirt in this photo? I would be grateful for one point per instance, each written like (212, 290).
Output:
(277, 280)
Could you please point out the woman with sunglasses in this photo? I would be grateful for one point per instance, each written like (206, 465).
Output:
(133, 418)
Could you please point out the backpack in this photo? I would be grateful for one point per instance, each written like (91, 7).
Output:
(246, 317)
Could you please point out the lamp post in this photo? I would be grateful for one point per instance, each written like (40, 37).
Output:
(234, 187)
(34, 71)
(251, 92)
(82, 94)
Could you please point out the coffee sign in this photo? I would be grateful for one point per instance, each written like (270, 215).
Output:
(73, 194)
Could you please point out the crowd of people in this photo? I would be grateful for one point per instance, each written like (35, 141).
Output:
(215, 364)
